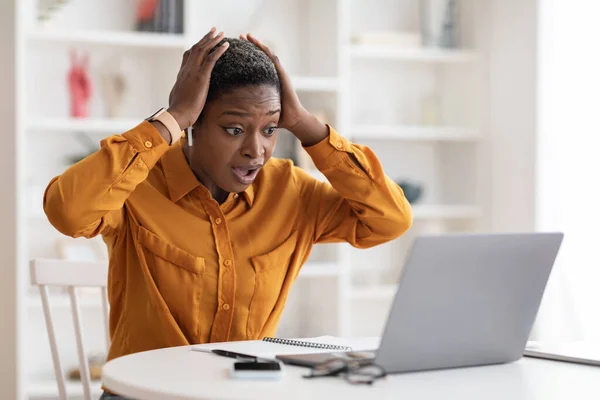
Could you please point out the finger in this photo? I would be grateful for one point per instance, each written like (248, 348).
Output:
(284, 78)
(205, 50)
(243, 37)
(184, 59)
(207, 37)
(212, 58)
(260, 44)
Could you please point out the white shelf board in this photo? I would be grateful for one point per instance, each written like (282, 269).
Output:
(62, 300)
(315, 84)
(109, 38)
(415, 54)
(96, 125)
(434, 211)
(412, 133)
(383, 292)
(46, 387)
(313, 269)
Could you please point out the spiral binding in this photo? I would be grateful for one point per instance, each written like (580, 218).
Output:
(307, 344)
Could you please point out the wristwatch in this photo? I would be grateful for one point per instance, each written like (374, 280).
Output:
(165, 118)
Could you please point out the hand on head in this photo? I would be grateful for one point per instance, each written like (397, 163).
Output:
(231, 95)
(188, 95)
(292, 110)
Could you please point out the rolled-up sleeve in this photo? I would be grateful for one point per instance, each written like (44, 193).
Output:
(88, 198)
(361, 204)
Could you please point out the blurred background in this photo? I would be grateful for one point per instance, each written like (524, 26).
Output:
(484, 111)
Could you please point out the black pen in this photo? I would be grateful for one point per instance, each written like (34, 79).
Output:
(232, 354)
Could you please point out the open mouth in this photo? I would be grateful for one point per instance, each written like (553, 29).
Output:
(245, 175)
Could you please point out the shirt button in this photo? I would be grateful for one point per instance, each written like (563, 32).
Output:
(235, 196)
(227, 263)
(225, 306)
(218, 221)
(339, 144)
(148, 144)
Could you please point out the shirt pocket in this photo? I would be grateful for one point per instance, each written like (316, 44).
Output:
(178, 276)
(270, 270)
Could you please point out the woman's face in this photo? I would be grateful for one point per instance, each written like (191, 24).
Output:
(234, 138)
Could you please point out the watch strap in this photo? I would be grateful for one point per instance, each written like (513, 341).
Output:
(165, 118)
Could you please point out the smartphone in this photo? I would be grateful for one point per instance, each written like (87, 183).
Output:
(256, 370)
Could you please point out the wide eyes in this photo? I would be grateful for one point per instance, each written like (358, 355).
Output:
(234, 131)
(238, 131)
(270, 131)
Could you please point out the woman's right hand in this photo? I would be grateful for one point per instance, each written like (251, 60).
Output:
(188, 95)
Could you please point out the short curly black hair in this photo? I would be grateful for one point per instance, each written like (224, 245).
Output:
(243, 64)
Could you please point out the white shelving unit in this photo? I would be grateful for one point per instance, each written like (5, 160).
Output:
(315, 84)
(417, 55)
(94, 125)
(412, 133)
(428, 211)
(421, 111)
(348, 82)
(148, 40)
(381, 292)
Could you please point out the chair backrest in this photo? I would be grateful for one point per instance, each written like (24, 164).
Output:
(71, 275)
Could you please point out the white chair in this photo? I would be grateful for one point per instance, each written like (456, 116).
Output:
(71, 274)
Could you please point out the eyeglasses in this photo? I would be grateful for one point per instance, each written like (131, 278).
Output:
(352, 371)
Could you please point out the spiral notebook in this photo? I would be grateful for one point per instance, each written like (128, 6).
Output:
(312, 344)
(271, 347)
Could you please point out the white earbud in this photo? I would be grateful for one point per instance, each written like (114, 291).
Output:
(189, 136)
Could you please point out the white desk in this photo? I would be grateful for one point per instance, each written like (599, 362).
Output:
(179, 373)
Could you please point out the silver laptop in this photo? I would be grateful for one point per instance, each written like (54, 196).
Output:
(466, 300)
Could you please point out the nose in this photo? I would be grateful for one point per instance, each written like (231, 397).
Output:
(253, 146)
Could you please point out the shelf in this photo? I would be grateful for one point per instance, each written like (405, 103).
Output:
(417, 54)
(47, 388)
(313, 269)
(108, 38)
(62, 300)
(383, 292)
(432, 211)
(96, 125)
(412, 133)
(315, 84)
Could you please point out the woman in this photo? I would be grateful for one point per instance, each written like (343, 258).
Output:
(207, 234)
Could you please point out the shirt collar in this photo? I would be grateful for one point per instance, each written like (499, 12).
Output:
(248, 194)
(180, 178)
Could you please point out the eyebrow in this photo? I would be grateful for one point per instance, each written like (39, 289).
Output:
(244, 114)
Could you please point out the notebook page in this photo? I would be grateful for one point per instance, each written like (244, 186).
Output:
(356, 343)
(262, 349)
(259, 348)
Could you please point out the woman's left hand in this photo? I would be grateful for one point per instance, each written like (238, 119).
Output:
(294, 117)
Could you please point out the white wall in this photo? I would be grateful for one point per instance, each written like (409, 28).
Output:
(568, 164)
(543, 70)
(512, 94)
(10, 277)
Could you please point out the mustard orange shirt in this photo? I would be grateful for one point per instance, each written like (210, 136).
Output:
(184, 269)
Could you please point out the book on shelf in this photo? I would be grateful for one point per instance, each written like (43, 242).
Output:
(165, 16)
